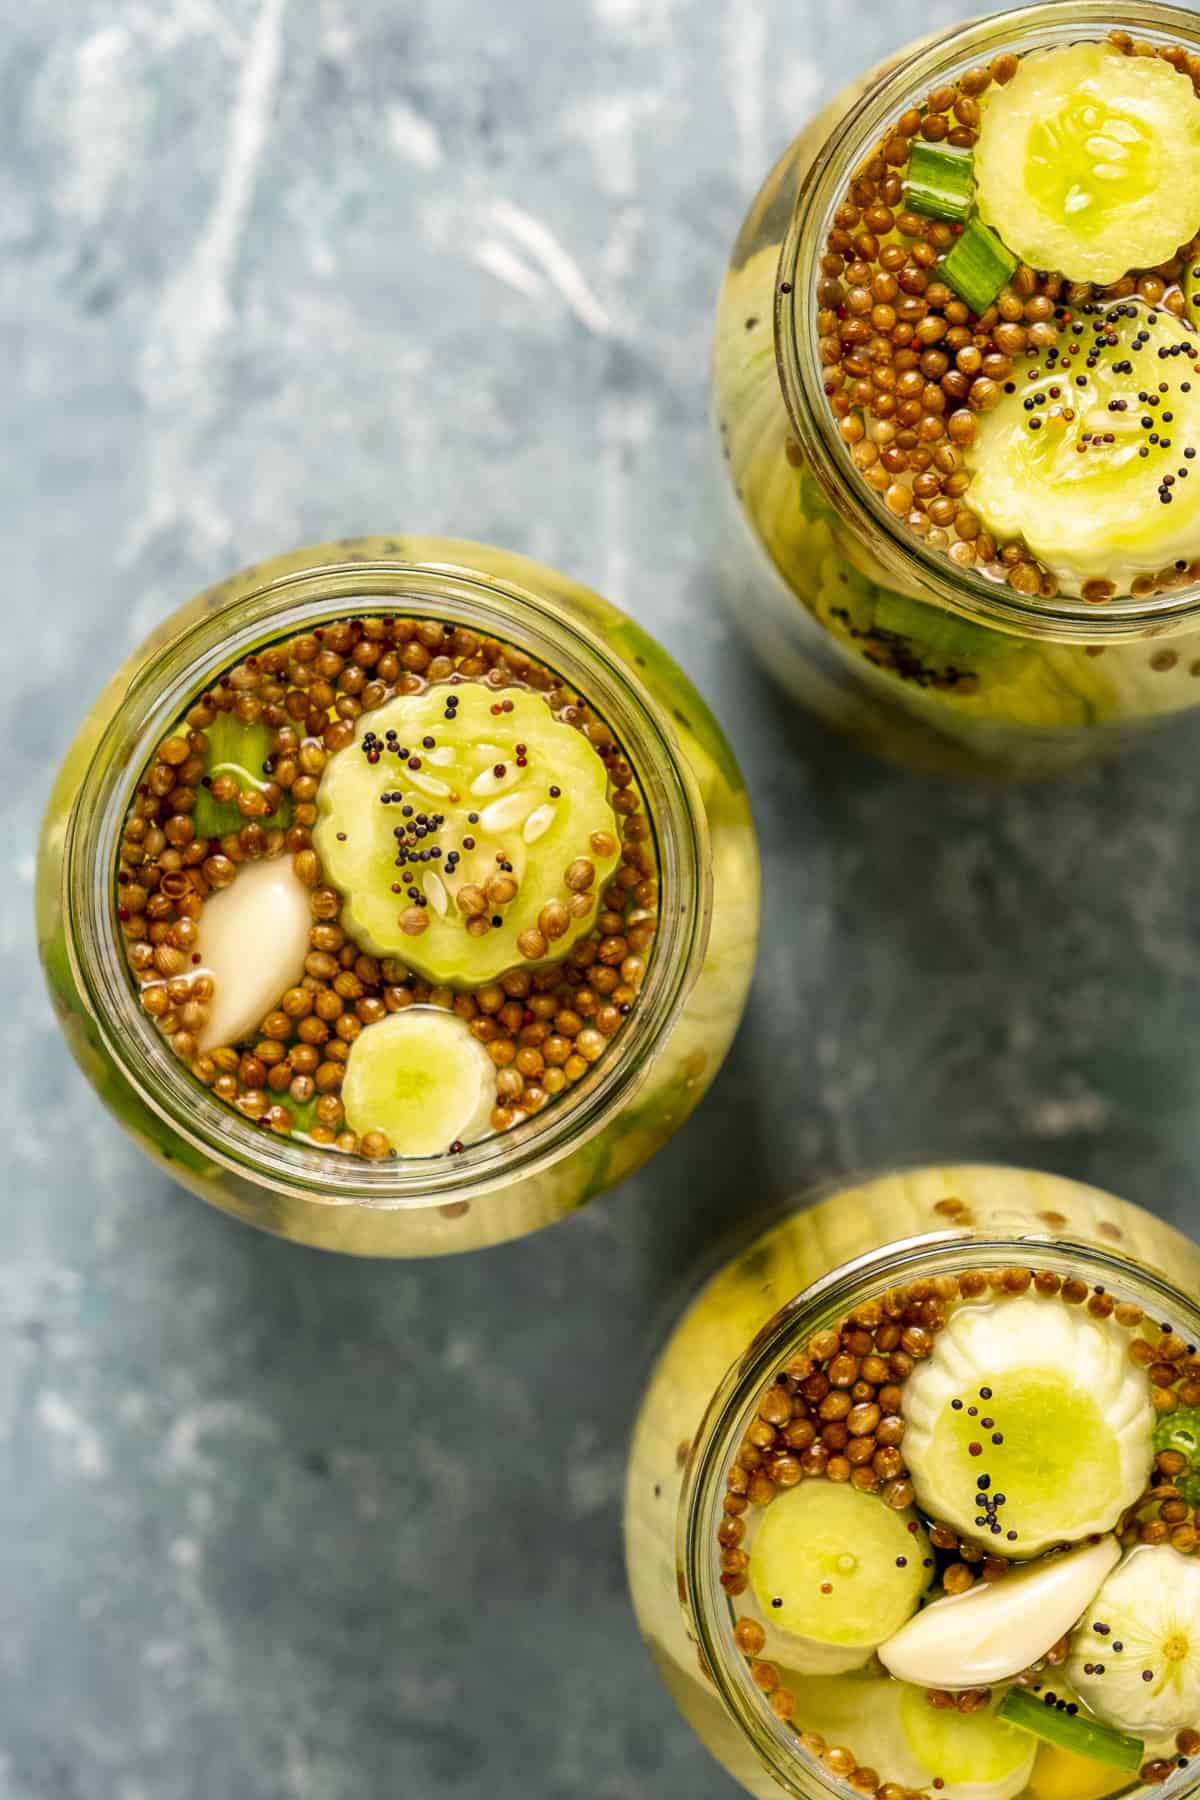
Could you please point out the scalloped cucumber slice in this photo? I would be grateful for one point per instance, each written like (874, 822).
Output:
(846, 1567)
(451, 822)
(240, 750)
(1150, 1606)
(420, 1078)
(1028, 1425)
(1077, 475)
(966, 1751)
(1088, 161)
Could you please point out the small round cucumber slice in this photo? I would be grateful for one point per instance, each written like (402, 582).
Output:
(891, 1728)
(1076, 474)
(1088, 162)
(485, 779)
(846, 1567)
(420, 1078)
(1150, 1608)
(970, 1753)
(1028, 1425)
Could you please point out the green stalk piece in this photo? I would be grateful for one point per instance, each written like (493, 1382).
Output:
(238, 749)
(978, 266)
(1071, 1730)
(940, 183)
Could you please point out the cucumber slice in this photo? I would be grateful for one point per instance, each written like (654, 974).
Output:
(420, 1078)
(1088, 161)
(1072, 1731)
(846, 1567)
(252, 939)
(996, 1629)
(240, 750)
(486, 788)
(1028, 1425)
(1075, 473)
(892, 1728)
(965, 1750)
(1150, 1606)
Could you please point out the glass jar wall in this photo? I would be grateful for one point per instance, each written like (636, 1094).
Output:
(510, 1182)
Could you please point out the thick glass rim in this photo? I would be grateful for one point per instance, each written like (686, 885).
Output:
(233, 621)
(934, 61)
(732, 1409)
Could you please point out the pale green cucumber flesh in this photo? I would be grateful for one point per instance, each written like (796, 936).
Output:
(1088, 161)
(499, 780)
(238, 749)
(961, 1747)
(1099, 477)
(422, 1079)
(833, 1564)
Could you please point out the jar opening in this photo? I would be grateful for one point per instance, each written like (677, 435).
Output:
(235, 623)
(734, 1410)
(908, 560)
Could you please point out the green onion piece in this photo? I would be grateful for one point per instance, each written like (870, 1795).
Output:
(939, 181)
(936, 629)
(1072, 1731)
(978, 266)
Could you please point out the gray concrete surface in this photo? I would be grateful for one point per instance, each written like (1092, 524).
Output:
(274, 1527)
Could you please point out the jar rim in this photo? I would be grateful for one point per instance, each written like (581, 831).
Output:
(257, 607)
(821, 1304)
(932, 61)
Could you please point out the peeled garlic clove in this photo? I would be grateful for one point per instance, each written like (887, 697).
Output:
(253, 939)
(996, 1629)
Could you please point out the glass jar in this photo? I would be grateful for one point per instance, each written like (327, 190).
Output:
(797, 1278)
(1046, 683)
(669, 1049)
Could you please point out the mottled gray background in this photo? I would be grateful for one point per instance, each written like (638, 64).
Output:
(277, 1527)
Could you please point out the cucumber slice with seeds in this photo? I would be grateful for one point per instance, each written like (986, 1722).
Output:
(1150, 1607)
(1089, 461)
(937, 628)
(468, 830)
(1088, 161)
(238, 749)
(420, 1078)
(846, 1567)
(1028, 1425)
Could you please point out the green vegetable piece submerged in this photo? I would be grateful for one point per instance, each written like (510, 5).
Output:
(469, 830)
(1180, 1431)
(938, 629)
(834, 1569)
(938, 183)
(1071, 1730)
(421, 1079)
(1150, 1608)
(978, 266)
(1099, 476)
(1028, 1425)
(238, 751)
(1088, 161)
